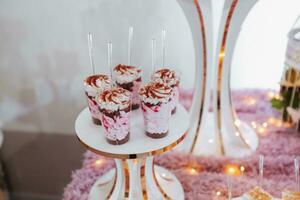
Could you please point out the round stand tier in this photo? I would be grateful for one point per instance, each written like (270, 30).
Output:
(135, 176)
(139, 145)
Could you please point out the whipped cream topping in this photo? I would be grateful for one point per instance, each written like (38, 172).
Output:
(155, 93)
(166, 76)
(95, 84)
(114, 99)
(126, 74)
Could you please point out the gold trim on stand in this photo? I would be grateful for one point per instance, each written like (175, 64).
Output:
(220, 72)
(134, 156)
(143, 179)
(126, 178)
(202, 25)
(233, 114)
(165, 195)
(113, 187)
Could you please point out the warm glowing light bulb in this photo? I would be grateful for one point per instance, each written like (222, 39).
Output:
(242, 168)
(265, 124)
(218, 193)
(271, 120)
(98, 162)
(232, 170)
(253, 123)
(261, 130)
(237, 134)
(193, 171)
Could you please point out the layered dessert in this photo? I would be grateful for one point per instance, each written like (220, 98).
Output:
(94, 85)
(169, 78)
(289, 195)
(257, 193)
(129, 78)
(115, 108)
(156, 107)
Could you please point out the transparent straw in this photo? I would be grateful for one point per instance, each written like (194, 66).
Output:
(296, 164)
(229, 187)
(90, 45)
(153, 55)
(109, 60)
(261, 170)
(163, 38)
(130, 38)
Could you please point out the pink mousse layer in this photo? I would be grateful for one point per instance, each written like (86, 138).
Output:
(157, 117)
(93, 107)
(118, 127)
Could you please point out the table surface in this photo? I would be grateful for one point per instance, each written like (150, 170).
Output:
(139, 145)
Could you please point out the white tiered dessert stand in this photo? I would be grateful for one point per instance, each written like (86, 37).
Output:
(135, 176)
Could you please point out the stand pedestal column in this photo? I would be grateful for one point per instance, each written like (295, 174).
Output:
(137, 179)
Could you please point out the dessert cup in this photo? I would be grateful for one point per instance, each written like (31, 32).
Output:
(169, 78)
(93, 85)
(115, 108)
(129, 78)
(156, 107)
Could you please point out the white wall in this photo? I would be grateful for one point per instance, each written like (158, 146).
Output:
(258, 60)
(44, 57)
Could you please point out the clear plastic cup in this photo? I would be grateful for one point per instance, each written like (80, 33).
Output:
(129, 78)
(171, 78)
(93, 85)
(115, 108)
(156, 107)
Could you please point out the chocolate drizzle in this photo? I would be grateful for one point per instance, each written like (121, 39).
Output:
(92, 80)
(117, 96)
(155, 91)
(126, 69)
(166, 76)
(166, 73)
